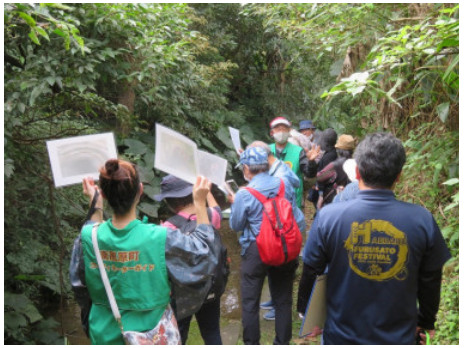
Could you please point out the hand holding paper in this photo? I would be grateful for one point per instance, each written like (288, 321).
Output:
(89, 188)
(201, 189)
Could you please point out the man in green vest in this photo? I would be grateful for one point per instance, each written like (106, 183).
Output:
(292, 155)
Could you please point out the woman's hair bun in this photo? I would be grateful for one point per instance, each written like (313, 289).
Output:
(111, 167)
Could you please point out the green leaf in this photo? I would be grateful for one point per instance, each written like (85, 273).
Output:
(146, 174)
(80, 86)
(336, 67)
(150, 191)
(450, 42)
(223, 135)
(135, 146)
(31, 277)
(8, 167)
(14, 320)
(58, 6)
(149, 209)
(33, 36)
(31, 312)
(451, 182)
(28, 19)
(42, 33)
(50, 285)
(451, 206)
(26, 84)
(208, 144)
(443, 111)
(79, 39)
(21, 107)
(246, 133)
(34, 94)
(59, 32)
(50, 80)
(48, 337)
(450, 68)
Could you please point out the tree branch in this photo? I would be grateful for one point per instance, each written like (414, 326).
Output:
(66, 132)
(408, 19)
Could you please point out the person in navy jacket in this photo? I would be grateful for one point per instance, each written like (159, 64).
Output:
(384, 256)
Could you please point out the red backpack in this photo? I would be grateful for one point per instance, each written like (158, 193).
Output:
(279, 239)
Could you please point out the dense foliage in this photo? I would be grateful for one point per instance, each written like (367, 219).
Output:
(88, 68)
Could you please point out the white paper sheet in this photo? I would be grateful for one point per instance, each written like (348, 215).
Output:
(235, 136)
(213, 167)
(73, 159)
(176, 154)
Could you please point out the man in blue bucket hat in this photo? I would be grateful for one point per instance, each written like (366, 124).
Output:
(307, 128)
(246, 215)
(305, 137)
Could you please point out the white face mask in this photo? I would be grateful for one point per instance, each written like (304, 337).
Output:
(281, 137)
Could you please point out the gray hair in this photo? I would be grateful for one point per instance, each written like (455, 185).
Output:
(262, 144)
(258, 168)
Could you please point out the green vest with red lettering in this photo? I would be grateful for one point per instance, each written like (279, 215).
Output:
(290, 155)
(134, 258)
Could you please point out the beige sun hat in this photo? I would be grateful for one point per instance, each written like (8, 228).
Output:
(345, 142)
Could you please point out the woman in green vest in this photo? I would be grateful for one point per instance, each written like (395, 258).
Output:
(142, 260)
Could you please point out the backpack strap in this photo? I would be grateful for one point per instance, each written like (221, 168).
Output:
(281, 192)
(178, 220)
(260, 197)
(182, 223)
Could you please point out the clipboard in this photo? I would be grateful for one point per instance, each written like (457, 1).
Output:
(316, 311)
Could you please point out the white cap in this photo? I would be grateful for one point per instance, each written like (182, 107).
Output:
(280, 120)
(350, 169)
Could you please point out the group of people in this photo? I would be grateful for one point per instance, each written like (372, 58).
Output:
(383, 257)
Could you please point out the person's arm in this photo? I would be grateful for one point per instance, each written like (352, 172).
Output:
(315, 261)
(428, 296)
(237, 221)
(200, 191)
(90, 189)
(215, 211)
(291, 178)
(308, 277)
